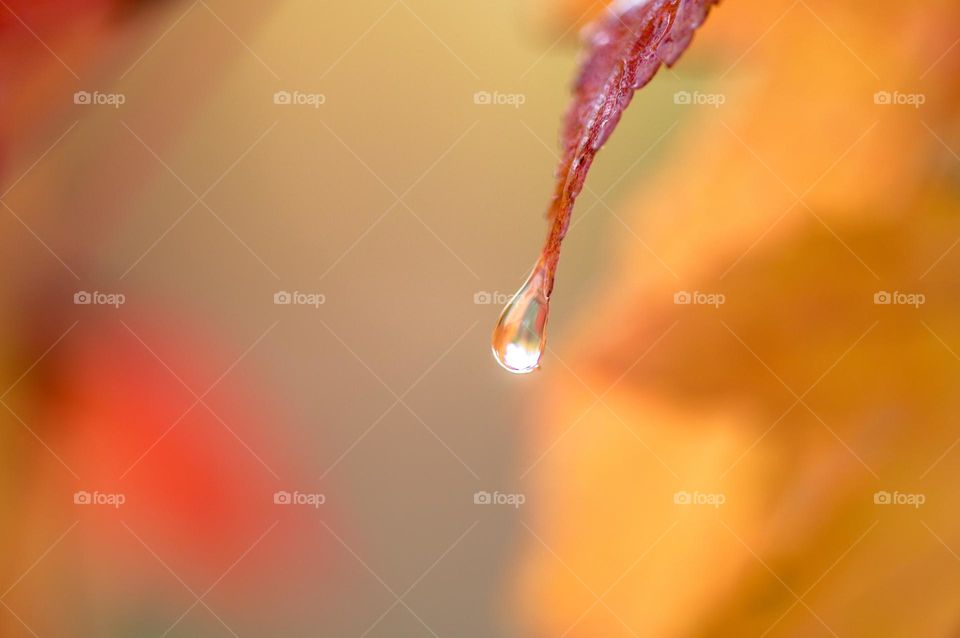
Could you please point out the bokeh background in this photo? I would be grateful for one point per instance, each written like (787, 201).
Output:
(774, 458)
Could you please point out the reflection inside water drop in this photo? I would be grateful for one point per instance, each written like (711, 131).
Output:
(521, 334)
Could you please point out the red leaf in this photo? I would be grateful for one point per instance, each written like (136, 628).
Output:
(624, 50)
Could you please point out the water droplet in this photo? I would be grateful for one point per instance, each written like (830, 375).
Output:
(521, 334)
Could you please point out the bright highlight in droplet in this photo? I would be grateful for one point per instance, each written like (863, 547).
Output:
(521, 334)
(519, 359)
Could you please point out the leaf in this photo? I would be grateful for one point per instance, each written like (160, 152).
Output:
(625, 48)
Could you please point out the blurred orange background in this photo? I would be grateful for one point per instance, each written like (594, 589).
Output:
(253, 257)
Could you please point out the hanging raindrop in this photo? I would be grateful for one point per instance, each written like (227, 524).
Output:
(521, 334)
